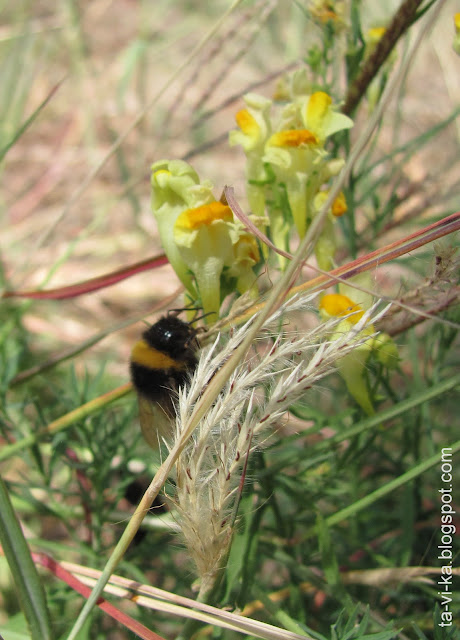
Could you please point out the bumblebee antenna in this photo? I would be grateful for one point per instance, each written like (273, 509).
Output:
(209, 313)
(197, 319)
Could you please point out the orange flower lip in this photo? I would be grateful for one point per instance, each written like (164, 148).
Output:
(206, 214)
(293, 138)
(339, 206)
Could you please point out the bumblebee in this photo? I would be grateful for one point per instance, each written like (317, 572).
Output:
(161, 362)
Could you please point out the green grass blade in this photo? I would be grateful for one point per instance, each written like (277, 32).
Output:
(401, 480)
(28, 122)
(27, 580)
(392, 412)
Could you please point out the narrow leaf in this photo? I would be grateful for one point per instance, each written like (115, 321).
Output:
(28, 122)
(23, 570)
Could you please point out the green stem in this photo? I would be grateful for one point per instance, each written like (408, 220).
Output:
(391, 486)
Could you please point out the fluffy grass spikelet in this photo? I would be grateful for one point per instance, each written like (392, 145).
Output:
(211, 467)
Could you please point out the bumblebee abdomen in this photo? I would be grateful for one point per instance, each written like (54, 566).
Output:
(156, 383)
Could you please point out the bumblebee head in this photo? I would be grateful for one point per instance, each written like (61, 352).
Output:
(174, 337)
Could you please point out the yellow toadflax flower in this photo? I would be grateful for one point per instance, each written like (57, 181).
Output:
(203, 239)
(253, 123)
(254, 129)
(216, 249)
(374, 91)
(298, 155)
(293, 154)
(330, 12)
(175, 187)
(456, 42)
(210, 251)
(287, 163)
(339, 206)
(327, 244)
(374, 35)
(352, 367)
(457, 22)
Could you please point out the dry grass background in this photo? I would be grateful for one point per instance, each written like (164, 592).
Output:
(111, 59)
(108, 61)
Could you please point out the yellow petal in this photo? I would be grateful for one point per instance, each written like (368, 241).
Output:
(336, 304)
(318, 107)
(375, 34)
(247, 123)
(319, 116)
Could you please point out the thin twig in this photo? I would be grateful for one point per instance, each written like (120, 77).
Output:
(402, 20)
